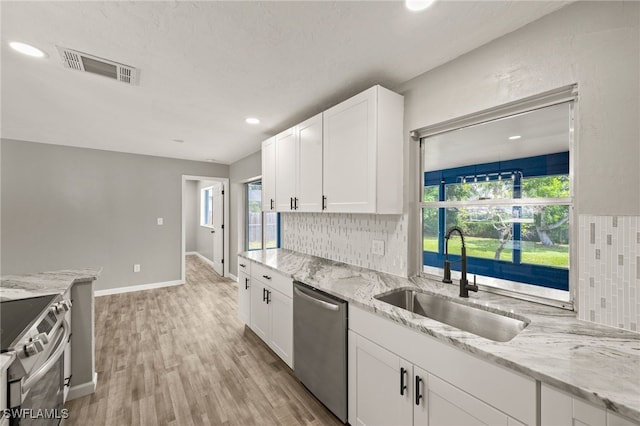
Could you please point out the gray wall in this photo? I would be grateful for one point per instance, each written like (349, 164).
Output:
(191, 220)
(593, 44)
(239, 172)
(65, 207)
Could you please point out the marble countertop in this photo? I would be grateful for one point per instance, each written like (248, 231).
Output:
(593, 362)
(14, 287)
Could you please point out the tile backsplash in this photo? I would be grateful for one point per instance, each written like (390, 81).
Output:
(348, 238)
(609, 271)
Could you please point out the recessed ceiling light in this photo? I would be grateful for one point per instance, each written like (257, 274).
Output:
(27, 49)
(513, 138)
(252, 120)
(418, 5)
(177, 140)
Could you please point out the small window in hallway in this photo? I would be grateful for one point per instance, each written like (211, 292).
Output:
(262, 228)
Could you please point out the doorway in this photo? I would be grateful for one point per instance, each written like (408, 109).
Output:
(205, 209)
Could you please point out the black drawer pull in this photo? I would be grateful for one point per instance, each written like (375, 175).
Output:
(403, 386)
(418, 395)
(242, 265)
(267, 277)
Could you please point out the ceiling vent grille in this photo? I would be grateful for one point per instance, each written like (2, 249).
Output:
(95, 65)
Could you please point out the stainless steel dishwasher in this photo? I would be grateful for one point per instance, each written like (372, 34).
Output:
(320, 346)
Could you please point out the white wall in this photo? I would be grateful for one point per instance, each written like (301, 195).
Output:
(191, 220)
(593, 44)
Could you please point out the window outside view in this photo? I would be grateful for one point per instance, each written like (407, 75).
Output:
(263, 228)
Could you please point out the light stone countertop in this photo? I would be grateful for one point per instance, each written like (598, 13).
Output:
(593, 362)
(13, 287)
(5, 360)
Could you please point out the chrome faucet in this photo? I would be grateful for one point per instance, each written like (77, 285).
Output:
(464, 283)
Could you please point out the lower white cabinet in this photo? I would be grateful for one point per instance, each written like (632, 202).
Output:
(244, 297)
(386, 389)
(402, 377)
(270, 310)
(561, 409)
(67, 352)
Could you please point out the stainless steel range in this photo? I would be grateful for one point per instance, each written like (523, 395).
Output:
(35, 329)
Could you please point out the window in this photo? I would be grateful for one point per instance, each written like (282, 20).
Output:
(263, 228)
(206, 204)
(514, 209)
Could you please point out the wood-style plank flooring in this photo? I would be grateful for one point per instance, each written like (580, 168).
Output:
(180, 356)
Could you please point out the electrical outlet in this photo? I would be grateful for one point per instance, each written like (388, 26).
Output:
(160, 221)
(136, 267)
(377, 247)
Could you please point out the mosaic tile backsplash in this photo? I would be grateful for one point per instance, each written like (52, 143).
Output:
(348, 238)
(609, 276)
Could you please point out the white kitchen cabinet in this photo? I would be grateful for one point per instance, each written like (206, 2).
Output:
(286, 167)
(298, 167)
(363, 155)
(244, 295)
(67, 352)
(379, 385)
(454, 388)
(272, 310)
(558, 408)
(309, 162)
(269, 175)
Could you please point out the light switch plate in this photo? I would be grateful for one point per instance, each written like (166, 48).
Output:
(377, 247)
(160, 221)
(136, 267)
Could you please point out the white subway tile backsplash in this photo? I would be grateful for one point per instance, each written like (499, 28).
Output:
(609, 270)
(348, 238)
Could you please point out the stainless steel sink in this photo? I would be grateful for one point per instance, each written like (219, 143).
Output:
(487, 324)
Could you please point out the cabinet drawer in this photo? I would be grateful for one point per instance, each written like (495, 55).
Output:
(273, 279)
(244, 265)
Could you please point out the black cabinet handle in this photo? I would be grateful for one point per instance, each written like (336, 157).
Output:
(295, 203)
(271, 204)
(268, 296)
(264, 294)
(418, 395)
(290, 203)
(246, 283)
(403, 386)
(267, 277)
(242, 265)
(324, 202)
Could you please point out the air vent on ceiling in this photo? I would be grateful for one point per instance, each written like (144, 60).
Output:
(93, 64)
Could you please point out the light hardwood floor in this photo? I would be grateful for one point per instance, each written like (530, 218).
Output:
(179, 356)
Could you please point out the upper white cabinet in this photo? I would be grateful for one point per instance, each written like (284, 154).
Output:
(269, 174)
(362, 153)
(347, 159)
(286, 150)
(298, 167)
(309, 162)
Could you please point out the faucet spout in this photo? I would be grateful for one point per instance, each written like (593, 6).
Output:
(464, 283)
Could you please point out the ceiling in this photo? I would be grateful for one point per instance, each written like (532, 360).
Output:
(541, 131)
(206, 66)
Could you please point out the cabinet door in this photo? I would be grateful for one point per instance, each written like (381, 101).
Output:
(449, 406)
(67, 352)
(259, 310)
(281, 325)
(376, 378)
(244, 297)
(560, 409)
(420, 395)
(269, 174)
(310, 165)
(349, 154)
(286, 166)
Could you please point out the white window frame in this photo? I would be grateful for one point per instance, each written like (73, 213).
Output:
(553, 297)
(203, 212)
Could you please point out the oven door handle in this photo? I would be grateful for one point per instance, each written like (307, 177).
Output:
(51, 360)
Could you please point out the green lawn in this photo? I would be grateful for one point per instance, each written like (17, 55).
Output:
(533, 253)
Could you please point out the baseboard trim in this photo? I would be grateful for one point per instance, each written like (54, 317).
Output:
(129, 289)
(83, 389)
(206, 260)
